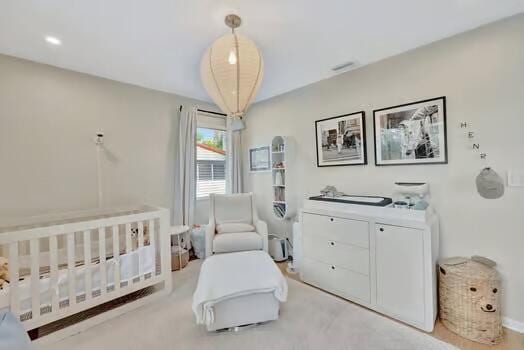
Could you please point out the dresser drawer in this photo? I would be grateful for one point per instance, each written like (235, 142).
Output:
(350, 257)
(336, 229)
(337, 280)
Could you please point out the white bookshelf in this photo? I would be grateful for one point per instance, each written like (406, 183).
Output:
(280, 155)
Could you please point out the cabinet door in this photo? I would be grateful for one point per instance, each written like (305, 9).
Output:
(400, 266)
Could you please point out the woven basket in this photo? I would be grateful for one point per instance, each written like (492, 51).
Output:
(469, 300)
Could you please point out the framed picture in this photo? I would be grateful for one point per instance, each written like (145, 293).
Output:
(341, 140)
(413, 133)
(260, 159)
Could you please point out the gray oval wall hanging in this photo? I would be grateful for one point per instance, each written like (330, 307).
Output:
(490, 185)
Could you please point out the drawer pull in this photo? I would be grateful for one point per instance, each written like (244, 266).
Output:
(332, 267)
(332, 243)
(381, 229)
(331, 219)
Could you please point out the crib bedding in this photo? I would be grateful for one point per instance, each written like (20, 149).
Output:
(24, 261)
(44, 262)
(137, 263)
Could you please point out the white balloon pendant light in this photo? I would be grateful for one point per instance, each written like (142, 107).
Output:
(231, 70)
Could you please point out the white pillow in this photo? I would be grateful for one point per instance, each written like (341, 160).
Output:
(235, 227)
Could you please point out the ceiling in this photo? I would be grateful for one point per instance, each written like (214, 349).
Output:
(159, 43)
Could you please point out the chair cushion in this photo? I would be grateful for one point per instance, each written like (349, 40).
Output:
(234, 227)
(237, 241)
(233, 208)
(12, 333)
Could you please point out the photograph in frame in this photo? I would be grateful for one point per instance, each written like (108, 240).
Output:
(413, 133)
(260, 159)
(341, 140)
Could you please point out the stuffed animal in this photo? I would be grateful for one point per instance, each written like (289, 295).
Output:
(134, 237)
(4, 271)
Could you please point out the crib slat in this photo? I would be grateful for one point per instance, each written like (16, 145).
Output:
(34, 250)
(140, 226)
(87, 264)
(53, 269)
(164, 247)
(128, 238)
(14, 273)
(102, 254)
(151, 228)
(71, 268)
(116, 257)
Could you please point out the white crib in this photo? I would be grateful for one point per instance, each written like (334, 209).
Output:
(63, 264)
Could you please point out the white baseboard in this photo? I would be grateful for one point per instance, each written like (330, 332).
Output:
(514, 325)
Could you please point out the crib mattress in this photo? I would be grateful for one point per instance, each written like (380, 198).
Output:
(132, 265)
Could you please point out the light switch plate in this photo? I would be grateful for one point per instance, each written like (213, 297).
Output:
(515, 179)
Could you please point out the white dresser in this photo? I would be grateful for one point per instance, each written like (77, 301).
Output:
(381, 258)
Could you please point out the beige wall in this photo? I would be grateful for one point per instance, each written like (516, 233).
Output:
(481, 73)
(48, 119)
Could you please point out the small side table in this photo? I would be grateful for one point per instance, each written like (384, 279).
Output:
(177, 232)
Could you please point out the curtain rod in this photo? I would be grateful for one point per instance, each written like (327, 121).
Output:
(211, 112)
(217, 114)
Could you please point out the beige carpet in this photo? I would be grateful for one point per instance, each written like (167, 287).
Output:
(310, 319)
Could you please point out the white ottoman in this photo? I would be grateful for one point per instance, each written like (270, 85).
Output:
(238, 289)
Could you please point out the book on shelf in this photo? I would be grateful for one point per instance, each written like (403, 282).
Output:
(279, 194)
(279, 209)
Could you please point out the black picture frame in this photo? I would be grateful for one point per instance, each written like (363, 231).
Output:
(363, 143)
(423, 161)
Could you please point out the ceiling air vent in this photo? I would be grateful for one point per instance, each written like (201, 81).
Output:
(343, 67)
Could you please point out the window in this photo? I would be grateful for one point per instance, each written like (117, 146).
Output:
(211, 162)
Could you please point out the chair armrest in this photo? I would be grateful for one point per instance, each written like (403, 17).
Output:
(210, 235)
(261, 228)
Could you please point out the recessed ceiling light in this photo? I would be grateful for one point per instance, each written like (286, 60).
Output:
(53, 40)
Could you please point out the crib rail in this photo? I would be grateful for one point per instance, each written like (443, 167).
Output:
(61, 277)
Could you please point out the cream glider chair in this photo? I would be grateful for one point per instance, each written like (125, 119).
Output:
(234, 225)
